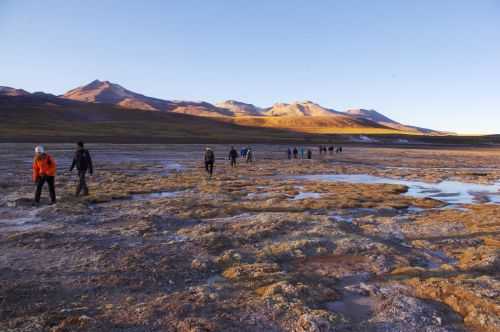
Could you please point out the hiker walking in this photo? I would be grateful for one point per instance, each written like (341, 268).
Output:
(289, 153)
(83, 163)
(249, 155)
(295, 153)
(309, 154)
(233, 155)
(209, 161)
(302, 152)
(44, 170)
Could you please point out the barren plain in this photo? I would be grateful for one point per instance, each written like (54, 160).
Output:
(371, 239)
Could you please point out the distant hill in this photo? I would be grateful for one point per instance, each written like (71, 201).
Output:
(8, 91)
(330, 124)
(110, 93)
(306, 108)
(383, 120)
(303, 117)
(239, 108)
(42, 118)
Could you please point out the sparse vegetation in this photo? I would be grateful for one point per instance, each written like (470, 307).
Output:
(238, 252)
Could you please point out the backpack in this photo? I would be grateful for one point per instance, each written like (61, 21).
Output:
(82, 159)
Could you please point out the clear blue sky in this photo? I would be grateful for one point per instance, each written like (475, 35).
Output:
(432, 63)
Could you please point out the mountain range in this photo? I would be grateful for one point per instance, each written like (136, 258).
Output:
(305, 116)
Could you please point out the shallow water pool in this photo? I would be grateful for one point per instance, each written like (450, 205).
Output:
(453, 192)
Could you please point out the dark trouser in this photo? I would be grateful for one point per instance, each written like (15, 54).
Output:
(209, 167)
(39, 186)
(82, 184)
(233, 162)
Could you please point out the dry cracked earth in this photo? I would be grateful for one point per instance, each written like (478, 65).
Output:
(158, 246)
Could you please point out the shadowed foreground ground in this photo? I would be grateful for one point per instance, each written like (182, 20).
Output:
(160, 247)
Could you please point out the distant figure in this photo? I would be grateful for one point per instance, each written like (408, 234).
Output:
(249, 155)
(302, 152)
(83, 163)
(242, 152)
(330, 149)
(209, 161)
(324, 149)
(309, 154)
(289, 152)
(321, 149)
(295, 153)
(44, 170)
(338, 150)
(233, 155)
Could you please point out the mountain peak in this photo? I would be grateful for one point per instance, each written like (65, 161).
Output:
(107, 92)
(100, 92)
(371, 114)
(8, 91)
(300, 108)
(239, 108)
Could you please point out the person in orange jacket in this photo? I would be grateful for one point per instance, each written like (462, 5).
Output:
(44, 170)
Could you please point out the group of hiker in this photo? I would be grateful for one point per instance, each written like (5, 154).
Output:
(246, 153)
(295, 153)
(44, 171)
(44, 165)
(303, 153)
(323, 149)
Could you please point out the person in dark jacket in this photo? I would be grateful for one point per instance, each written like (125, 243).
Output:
(295, 153)
(83, 163)
(233, 155)
(209, 161)
(289, 153)
(309, 154)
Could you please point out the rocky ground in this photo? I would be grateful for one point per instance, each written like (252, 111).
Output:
(158, 246)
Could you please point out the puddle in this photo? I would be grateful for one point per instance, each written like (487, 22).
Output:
(155, 195)
(258, 196)
(173, 166)
(245, 215)
(16, 221)
(134, 197)
(214, 280)
(354, 305)
(453, 192)
(306, 195)
(437, 258)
